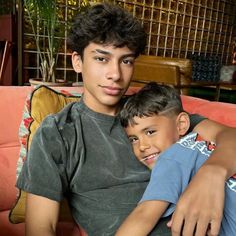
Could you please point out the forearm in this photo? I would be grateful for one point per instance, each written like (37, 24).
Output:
(223, 159)
(143, 218)
(136, 225)
(135, 228)
(202, 203)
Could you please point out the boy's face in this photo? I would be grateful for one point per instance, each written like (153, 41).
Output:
(106, 73)
(152, 135)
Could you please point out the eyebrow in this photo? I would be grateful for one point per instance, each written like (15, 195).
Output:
(148, 128)
(108, 53)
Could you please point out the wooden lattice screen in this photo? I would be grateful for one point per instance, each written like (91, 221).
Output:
(176, 28)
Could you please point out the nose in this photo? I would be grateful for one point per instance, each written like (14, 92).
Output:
(114, 71)
(143, 145)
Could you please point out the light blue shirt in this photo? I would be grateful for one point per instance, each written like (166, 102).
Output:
(174, 170)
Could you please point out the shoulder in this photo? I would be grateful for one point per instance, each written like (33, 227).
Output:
(183, 152)
(56, 124)
(195, 119)
(68, 114)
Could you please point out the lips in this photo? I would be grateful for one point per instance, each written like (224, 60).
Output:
(150, 159)
(113, 91)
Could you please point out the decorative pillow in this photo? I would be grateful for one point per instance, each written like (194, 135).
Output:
(226, 73)
(40, 103)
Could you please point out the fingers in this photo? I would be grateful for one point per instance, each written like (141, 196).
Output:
(202, 226)
(189, 227)
(177, 222)
(185, 227)
(192, 225)
(169, 223)
(214, 227)
(200, 208)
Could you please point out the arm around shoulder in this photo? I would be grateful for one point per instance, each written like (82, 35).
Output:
(201, 206)
(223, 158)
(41, 215)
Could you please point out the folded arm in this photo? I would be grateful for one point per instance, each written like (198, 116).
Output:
(200, 207)
(41, 216)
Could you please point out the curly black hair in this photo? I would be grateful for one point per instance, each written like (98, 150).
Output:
(107, 24)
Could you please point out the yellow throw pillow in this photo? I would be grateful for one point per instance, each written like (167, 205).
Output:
(41, 102)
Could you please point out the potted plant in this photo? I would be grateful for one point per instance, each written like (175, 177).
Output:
(43, 17)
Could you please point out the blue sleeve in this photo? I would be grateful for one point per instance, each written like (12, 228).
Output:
(170, 176)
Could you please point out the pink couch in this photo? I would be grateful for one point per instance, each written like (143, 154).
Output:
(11, 106)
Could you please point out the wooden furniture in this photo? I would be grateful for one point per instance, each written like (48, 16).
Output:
(5, 48)
(8, 33)
(218, 86)
(184, 65)
(230, 86)
(145, 72)
(173, 71)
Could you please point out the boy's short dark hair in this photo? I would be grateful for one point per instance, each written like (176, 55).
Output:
(107, 24)
(152, 99)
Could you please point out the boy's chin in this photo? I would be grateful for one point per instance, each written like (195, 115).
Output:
(150, 166)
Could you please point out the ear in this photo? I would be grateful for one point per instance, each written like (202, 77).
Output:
(76, 62)
(183, 123)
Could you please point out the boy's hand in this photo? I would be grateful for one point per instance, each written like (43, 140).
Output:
(199, 210)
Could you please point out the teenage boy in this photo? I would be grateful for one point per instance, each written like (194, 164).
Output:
(154, 119)
(83, 151)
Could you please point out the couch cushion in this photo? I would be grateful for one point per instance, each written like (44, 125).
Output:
(8, 159)
(40, 103)
(11, 105)
(7, 229)
(224, 113)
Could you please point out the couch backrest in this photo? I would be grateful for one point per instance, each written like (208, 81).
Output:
(221, 112)
(12, 100)
(11, 106)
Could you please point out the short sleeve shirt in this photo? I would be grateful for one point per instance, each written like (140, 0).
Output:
(175, 168)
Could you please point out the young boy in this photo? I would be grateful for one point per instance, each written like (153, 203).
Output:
(83, 151)
(154, 119)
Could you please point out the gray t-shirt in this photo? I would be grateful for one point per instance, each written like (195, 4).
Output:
(86, 157)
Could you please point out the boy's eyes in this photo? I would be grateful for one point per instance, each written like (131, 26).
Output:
(133, 139)
(150, 132)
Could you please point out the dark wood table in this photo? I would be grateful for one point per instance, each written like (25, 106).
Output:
(218, 86)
